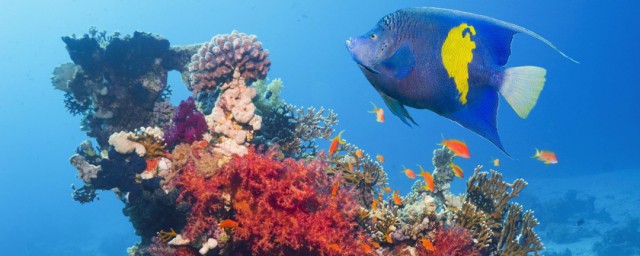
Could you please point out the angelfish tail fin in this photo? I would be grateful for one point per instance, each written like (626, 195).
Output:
(521, 87)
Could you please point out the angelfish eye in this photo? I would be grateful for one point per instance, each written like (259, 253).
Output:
(373, 36)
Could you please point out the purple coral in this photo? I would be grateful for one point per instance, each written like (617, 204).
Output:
(215, 61)
(188, 124)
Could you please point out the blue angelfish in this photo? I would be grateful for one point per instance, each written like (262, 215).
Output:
(449, 62)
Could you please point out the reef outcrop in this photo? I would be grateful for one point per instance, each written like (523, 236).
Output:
(235, 170)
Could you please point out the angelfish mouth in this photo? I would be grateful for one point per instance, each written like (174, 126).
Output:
(368, 69)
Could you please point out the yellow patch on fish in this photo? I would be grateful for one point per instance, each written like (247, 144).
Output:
(456, 56)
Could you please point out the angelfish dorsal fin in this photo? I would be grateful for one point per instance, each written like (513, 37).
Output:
(400, 64)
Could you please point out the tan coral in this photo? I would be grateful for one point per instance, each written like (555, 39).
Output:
(233, 118)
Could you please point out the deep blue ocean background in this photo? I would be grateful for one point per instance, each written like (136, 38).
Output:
(588, 113)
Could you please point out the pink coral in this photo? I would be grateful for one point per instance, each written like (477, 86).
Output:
(215, 61)
(282, 207)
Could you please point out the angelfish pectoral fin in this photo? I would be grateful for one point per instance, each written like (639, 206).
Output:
(480, 114)
(400, 64)
(397, 109)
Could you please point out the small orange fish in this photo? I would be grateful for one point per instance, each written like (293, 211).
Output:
(375, 245)
(334, 190)
(457, 147)
(203, 143)
(496, 162)
(457, 171)
(389, 239)
(427, 244)
(545, 156)
(350, 167)
(152, 164)
(366, 248)
(387, 190)
(380, 158)
(428, 179)
(228, 224)
(359, 153)
(379, 113)
(335, 247)
(397, 200)
(334, 143)
(410, 174)
(374, 205)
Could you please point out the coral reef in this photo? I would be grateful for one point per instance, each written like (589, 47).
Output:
(235, 170)
(216, 61)
(623, 240)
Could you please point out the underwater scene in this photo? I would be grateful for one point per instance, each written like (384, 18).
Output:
(320, 128)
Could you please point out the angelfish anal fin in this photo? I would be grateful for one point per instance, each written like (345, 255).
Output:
(400, 64)
(479, 115)
(397, 109)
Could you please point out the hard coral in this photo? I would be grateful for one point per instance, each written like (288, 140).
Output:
(188, 124)
(215, 61)
(282, 207)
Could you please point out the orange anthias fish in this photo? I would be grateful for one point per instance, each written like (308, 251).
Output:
(427, 244)
(366, 248)
(387, 190)
(380, 158)
(334, 143)
(375, 245)
(228, 224)
(374, 205)
(457, 147)
(334, 190)
(545, 156)
(457, 171)
(379, 113)
(359, 153)
(389, 239)
(410, 174)
(428, 179)
(335, 247)
(397, 200)
(496, 162)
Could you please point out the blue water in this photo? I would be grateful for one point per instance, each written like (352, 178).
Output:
(588, 113)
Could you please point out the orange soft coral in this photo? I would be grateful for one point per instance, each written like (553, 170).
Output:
(282, 207)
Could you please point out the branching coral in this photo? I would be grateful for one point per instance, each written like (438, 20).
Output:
(188, 124)
(498, 225)
(282, 207)
(217, 60)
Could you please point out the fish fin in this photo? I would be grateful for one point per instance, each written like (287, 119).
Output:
(397, 109)
(502, 32)
(400, 64)
(479, 115)
(521, 87)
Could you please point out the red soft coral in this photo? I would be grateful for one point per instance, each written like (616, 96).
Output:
(453, 241)
(282, 207)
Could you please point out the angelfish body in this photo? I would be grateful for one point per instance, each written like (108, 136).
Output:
(449, 62)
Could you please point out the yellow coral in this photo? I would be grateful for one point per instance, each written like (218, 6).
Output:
(166, 236)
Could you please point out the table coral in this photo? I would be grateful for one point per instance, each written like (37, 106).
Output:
(216, 61)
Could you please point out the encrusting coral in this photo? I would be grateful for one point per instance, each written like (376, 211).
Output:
(235, 170)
